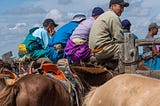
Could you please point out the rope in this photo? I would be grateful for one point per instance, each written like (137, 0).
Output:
(130, 63)
(110, 73)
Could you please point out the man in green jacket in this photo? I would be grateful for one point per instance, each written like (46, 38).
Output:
(35, 44)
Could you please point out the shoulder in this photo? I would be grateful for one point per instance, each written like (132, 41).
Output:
(70, 24)
(108, 16)
(41, 29)
(38, 32)
(148, 36)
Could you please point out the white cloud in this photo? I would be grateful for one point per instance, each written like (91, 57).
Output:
(54, 14)
(27, 10)
(17, 26)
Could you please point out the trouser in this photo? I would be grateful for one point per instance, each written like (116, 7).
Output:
(109, 56)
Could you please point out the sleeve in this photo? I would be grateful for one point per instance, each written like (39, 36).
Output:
(116, 28)
(45, 39)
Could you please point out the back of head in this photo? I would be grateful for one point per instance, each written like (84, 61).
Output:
(153, 25)
(79, 18)
(97, 11)
(120, 2)
(126, 24)
(49, 21)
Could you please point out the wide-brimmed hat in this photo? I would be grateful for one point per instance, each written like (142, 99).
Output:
(120, 2)
(79, 17)
(49, 21)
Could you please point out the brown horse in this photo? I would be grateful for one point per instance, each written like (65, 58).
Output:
(2, 83)
(126, 90)
(5, 75)
(35, 90)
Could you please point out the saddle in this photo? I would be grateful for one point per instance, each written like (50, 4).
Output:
(48, 67)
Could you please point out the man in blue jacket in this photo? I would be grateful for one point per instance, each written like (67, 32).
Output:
(60, 38)
(62, 34)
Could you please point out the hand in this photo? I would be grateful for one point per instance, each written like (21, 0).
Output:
(158, 54)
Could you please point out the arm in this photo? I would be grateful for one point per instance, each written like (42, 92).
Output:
(116, 28)
(45, 39)
(155, 51)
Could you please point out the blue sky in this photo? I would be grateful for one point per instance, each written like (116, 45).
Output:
(18, 16)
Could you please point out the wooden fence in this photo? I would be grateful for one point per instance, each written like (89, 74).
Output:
(129, 55)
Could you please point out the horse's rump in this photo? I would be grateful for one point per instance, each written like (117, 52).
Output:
(35, 90)
(126, 90)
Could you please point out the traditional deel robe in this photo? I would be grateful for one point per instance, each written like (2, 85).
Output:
(33, 45)
(152, 63)
(77, 47)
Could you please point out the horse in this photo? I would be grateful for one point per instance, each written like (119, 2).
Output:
(35, 90)
(93, 76)
(41, 88)
(2, 83)
(88, 75)
(6, 76)
(126, 90)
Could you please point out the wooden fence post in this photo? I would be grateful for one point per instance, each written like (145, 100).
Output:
(128, 54)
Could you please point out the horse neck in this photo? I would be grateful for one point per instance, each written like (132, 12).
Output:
(81, 81)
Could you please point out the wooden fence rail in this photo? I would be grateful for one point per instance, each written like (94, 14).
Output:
(129, 55)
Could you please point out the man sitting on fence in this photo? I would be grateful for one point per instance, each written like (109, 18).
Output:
(150, 53)
(106, 32)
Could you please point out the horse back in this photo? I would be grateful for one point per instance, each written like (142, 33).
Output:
(127, 90)
(37, 90)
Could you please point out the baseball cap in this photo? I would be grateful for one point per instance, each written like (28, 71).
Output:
(120, 2)
(97, 11)
(126, 24)
(79, 17)
(153, 25)
(49, 21)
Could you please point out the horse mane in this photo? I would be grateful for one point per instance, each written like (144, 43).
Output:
(2, 83)
(87, 98)
(8, 95)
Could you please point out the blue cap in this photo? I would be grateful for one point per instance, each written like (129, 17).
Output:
(126, 24)
(97, 11)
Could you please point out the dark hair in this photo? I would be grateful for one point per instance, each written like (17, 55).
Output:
(49, 21)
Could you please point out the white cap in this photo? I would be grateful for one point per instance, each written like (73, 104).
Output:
(79, 17)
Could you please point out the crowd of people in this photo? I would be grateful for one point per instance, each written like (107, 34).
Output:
(87, 39)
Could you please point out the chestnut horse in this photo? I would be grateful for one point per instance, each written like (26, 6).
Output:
(2, 83)
(35, 90)
(126, 90)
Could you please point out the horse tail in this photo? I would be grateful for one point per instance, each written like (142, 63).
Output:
(8, 95)
(88, 97)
